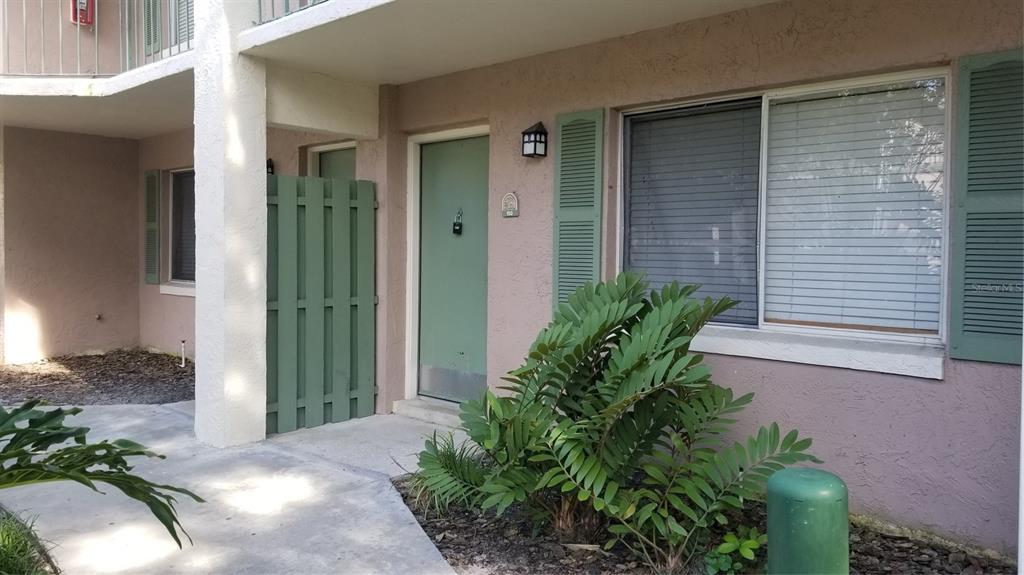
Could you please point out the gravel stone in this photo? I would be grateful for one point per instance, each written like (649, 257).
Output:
(128, 376)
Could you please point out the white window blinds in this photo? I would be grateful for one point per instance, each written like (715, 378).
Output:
(853, 219)
(692, 201)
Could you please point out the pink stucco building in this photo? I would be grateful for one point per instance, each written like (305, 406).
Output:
(849, 170)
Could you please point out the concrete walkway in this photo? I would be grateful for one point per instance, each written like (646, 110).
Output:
(314, 501)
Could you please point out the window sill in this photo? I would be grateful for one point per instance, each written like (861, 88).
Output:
(923, 360)
(184, 289)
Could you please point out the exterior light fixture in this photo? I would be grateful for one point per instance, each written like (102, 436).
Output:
(535, 141)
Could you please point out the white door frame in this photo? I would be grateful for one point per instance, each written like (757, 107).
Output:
(412, 238)
(313, 155)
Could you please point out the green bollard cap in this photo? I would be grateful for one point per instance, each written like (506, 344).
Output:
(808, 523)
(806, 483)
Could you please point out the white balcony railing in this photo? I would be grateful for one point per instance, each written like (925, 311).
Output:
(90, 37)
(274, 9)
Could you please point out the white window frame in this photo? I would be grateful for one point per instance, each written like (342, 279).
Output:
(919, 355)
(172, 286)
(313, 154)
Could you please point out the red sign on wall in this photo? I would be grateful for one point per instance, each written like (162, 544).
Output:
(83, 12)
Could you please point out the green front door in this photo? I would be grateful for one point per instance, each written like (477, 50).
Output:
(453, 269)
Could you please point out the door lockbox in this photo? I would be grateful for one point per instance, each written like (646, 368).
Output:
(457, 225)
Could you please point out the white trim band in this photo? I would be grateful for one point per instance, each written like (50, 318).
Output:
(185, 289)
(901, 358)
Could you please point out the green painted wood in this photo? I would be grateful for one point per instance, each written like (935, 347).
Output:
(453, 269)
(314, 300)
(152, 223)
(364, 193)
(341, 216)
(987, 236)
(320, 301)
(272, 304)
(287, 299)
(579, 160)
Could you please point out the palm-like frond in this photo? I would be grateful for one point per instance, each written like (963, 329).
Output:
(37, 447)
(449, 474)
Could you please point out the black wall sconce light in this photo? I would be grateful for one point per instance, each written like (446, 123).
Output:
(535, 141)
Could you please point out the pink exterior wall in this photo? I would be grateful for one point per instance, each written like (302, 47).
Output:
(165, 320)
(935, 454)
(70, 205)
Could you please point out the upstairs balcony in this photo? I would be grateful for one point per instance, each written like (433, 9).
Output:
(91, 38)
(270, 10)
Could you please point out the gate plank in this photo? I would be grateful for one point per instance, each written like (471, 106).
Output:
(365, 233)
(272, 258)
(288, 309)
(341, 235)
(314, 301)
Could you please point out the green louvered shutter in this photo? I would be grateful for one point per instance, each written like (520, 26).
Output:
(152, 237)
(988, 229)
(578, 184)
(184, 22)
(151, 26)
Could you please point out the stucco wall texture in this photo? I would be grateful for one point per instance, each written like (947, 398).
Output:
(940, 455)
(70, 220)
(165, 320)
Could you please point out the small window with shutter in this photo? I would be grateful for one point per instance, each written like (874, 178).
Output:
(151, 27)
(184, 23)
(183, 226)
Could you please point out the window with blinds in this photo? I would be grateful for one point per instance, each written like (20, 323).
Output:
(183, 226)
(691, 201)
(854, 209)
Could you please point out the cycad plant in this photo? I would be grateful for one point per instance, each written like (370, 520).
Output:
(611, 420)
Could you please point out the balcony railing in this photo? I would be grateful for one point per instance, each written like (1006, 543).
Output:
(91, 37)
(274, 9)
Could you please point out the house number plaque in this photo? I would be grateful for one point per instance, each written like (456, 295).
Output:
(510, 205)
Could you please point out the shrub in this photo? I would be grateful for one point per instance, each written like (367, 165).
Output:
(611, 418)
(21, 552)
(39, 448)
(738, 550)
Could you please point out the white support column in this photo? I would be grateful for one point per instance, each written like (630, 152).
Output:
(231, 228)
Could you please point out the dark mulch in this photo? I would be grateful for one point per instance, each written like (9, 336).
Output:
(118, 377)
(477, 544)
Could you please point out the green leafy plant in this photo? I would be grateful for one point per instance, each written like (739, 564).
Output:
(737, 551)
(37, 447)
(21, 551)
(612, 420)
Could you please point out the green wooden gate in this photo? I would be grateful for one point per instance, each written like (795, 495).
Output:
(320, 301)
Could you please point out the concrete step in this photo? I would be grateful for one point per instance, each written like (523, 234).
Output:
(430, 410)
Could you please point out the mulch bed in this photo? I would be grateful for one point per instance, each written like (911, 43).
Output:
(476, 544)
(118, 377)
